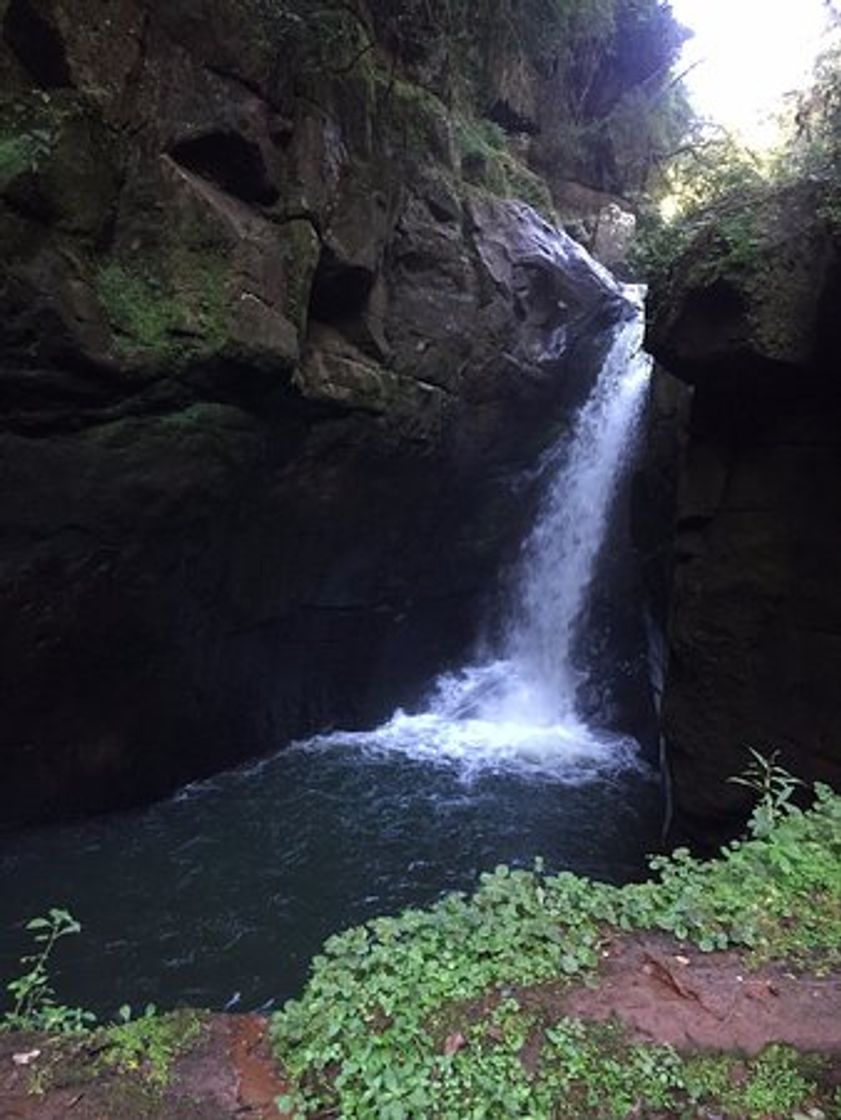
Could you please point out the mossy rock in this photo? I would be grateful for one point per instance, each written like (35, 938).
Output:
(486, 162)
(750, 286)
(57, 162)
(167, 309)
(414, 119)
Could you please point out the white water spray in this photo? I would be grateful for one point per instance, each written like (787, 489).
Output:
(560, 555)
(518, 710)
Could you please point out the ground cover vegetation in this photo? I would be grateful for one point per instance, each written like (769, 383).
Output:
(433, 1013)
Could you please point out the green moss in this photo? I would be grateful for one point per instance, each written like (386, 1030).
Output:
(17, 154)
(137, 306)
(172, 308)
(299, 250)
(762, 244)
(200, 280)
(143, 1051)
(415, 120)
(29, 130)
(481, 146)
(486, 162)
(478, 137)
(525, 185)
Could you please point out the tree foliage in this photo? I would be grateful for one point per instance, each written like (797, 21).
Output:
(815, 144)
(713, 178)
(609, 110)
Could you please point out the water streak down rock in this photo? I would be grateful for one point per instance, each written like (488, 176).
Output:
(266, 379)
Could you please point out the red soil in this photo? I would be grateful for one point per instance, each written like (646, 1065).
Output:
(229, 1074)
(667, 992)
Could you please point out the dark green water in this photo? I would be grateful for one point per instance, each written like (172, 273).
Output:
(225, 892)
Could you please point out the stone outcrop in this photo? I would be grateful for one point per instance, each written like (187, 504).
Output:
(268, 364)
(749, 318)
(580, 92)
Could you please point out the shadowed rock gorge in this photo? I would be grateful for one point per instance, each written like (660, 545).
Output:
(281, 342)
(275, 337)
(353, 540)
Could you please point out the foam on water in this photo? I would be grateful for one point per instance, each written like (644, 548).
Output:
(567, 754)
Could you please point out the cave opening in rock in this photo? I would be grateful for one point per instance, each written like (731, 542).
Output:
(339, 290)
(37, 44)
(231, 162)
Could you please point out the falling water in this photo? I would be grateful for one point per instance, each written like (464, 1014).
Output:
(560, 555)
(518, 709)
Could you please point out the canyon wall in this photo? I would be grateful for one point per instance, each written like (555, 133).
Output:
(748, 317)
(276, 337)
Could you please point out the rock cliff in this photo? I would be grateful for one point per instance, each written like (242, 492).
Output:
(749, 318)
(272, 352)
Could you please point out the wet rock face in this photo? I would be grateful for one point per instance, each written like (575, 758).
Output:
(756, 601)
(265, 379)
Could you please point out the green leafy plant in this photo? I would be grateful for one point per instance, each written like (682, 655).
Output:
(774, 786)
(35, 1007)
(430, 1013)
(23, 152)
(149, 1043)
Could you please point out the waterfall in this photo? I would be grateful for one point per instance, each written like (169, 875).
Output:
(517, 708)
(559, 556)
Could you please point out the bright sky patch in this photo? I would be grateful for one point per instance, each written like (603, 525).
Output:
(750, 53)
